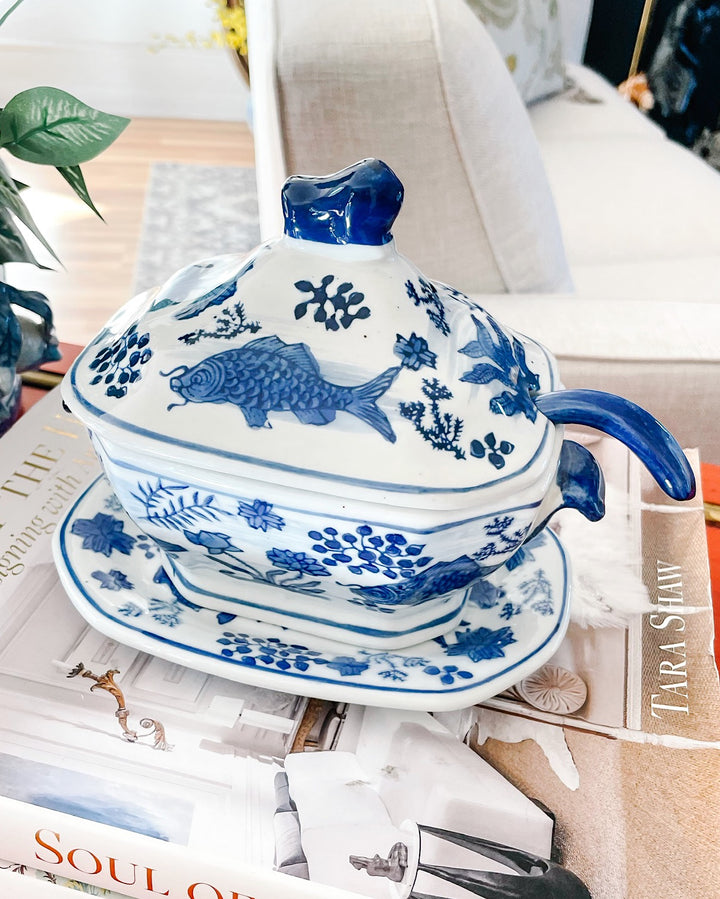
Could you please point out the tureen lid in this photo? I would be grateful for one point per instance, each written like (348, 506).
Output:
(324, 354)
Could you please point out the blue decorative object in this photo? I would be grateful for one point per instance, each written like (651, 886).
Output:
(268, 375)
(330, 530)
(231, 322)
(118, 365)
(481, 643)
(214, 542)
(441, 429)
(26, 341)
(481, 656)
(112, 580)
(425, 295)
(175, 505)
(259, 515)
(357, 205)
(102, 534)
(652, 443)
(505, 364)
(496, 452)
(414, 352)
(339, 310)
(368, 552)
(437, 580)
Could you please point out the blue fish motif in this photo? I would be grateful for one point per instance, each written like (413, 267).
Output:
(433, 581)
(269, 375)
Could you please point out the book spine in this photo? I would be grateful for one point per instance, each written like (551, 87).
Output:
(135, 866)
(679, 678)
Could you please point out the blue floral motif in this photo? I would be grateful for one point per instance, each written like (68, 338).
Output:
(113, 504)
(268, 651)
(507, 365)
(536, 595)
(495, 451)
(289, 560)
(131, 610)
(176, 505)
(486, 595)
(438, 579)
(441, 429)
(481, 643)
(448, 673)
(118, 365)
(414, 352)
(103, 534)
(213, 541)
(260, 516)
(389, 554)
(427, 297)
(166, 612)
(269, 375)
(113, 580)
(347, 666)
(340, 309)
(271, 652)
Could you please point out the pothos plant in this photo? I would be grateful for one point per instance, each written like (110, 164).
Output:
(44, 126)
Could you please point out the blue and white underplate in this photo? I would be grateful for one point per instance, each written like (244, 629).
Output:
(512, 623)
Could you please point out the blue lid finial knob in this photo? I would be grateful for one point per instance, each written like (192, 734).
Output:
(356, 205)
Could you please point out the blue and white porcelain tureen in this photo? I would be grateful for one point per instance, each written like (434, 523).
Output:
(318, 436)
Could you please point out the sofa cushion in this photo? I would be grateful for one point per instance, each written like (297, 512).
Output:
(589, 107)
(634, 200)
(421, 86)
(528, 35)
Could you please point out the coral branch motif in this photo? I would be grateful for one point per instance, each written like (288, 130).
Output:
(508, 540)
(506, 364)
(229, 322)
(429, 298)
(334, 311)
(442, 430)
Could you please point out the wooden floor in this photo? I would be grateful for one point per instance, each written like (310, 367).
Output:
(99, 258)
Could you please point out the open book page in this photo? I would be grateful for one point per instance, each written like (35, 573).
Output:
(618, 736)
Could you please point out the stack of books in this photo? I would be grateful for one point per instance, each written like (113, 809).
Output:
(125, 774)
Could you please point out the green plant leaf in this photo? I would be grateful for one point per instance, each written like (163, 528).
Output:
(13, 247)
(74, 177)
(10, 199)
(51, 127)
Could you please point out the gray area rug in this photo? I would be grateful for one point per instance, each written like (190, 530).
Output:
(192, 212)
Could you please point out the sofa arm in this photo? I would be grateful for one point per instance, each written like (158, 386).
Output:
(270, 168)
(662, 355)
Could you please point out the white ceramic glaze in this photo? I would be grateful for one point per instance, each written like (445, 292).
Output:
(512, 623)
(320, 436)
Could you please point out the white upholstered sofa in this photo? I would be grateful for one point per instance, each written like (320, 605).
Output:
(572, 218)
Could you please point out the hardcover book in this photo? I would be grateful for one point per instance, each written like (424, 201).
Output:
(122, 773)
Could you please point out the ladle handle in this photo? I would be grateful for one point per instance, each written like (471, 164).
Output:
(643, 434)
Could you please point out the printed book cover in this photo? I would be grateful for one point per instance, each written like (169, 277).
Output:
(124, 774)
